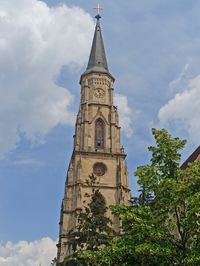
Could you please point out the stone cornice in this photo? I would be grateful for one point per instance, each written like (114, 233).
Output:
(79, 183)
(98, 153)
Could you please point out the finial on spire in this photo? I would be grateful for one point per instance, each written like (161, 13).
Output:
(98, 9)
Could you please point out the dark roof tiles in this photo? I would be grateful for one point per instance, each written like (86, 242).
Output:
(97, 60)
(194, 156)
(97, 57)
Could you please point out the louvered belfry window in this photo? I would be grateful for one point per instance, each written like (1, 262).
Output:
(99, 133)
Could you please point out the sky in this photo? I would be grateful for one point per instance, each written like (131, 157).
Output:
(152, 49)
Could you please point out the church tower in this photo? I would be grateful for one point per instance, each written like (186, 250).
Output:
(97, 147)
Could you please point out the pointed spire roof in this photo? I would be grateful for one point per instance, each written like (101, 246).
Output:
(97, 60)
(97, 55)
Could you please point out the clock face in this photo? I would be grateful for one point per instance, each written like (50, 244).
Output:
(99, 169)
(99, 93)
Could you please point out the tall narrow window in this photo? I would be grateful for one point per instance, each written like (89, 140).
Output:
(99, 133)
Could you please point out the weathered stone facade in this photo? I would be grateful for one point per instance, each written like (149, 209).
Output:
(97, 146)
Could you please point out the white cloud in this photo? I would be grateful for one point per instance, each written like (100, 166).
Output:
(127, 115)
(184, 109)
(174, 83)
(39, 252)
(35, 42)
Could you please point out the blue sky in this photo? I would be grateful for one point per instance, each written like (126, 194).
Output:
(152, 49)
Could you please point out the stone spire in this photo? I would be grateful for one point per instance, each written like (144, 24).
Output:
(97, 60)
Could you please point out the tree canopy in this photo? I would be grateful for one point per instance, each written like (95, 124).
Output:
(163, 225)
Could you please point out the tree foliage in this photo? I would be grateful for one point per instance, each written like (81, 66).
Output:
(163, 225)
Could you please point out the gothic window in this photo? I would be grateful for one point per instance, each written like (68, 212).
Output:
(99, 133)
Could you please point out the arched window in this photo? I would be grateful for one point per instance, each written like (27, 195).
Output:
(99, 133)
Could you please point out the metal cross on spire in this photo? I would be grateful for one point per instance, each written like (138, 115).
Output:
(98, 9)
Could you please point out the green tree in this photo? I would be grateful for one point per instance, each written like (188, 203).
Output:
(94, 227)
(163, 225)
